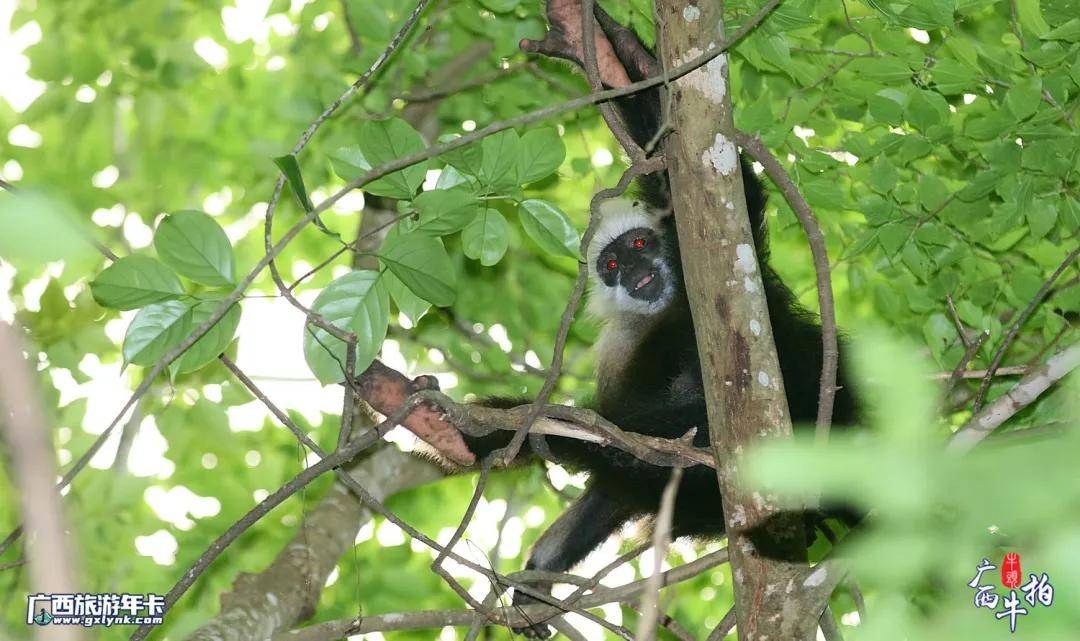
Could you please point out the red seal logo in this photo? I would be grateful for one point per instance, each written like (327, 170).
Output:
(1010, 570)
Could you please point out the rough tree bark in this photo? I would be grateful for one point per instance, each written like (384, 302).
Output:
(743, 387)
(286, 592)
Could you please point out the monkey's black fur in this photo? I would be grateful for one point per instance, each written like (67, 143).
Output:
(660, 392)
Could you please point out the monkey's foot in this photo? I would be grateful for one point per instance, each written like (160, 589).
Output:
(535, 631)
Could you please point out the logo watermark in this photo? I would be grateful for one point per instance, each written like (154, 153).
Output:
(1036, 592)
(94, 609)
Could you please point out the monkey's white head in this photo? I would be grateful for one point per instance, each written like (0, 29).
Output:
(629, 263)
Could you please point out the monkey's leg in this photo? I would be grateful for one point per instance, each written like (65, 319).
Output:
(586, 524)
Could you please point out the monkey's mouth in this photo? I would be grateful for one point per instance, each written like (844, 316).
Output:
(648, 287)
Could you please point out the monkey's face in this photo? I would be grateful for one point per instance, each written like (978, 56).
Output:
(635, 268)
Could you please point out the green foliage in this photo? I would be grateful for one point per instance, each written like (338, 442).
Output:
(288, 166)
(154, 330)
(935, 514)
(135, 281)
(935, 140)
(423, 265)
(36, 228)
(359, 303)
(486, 238)
(550, 228)
(385, 141)
(214, 341)
(195, 246)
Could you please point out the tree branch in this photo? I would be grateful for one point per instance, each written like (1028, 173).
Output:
(512, 618)
(1025, 392)
(830, 351)
(51, 565)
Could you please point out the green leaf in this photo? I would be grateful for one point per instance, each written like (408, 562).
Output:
(1031, 18)
(468, 159)
(382, 141)
(982, 184)
(1041, 217)
(917, 261)
(288, 166)
(951, 77)
(540, 152)
(926, 109)
(349, 163)
(550, 228)
(888, 105)
(883, 70)
(421, 262)
(155, 330)
(486, 237)
(500, 6)
(193, 244)
(135, 281)
(1048, 55)
(1024, 96)
(931, 13)
(445, 211)
(932, 192)
(408, 303)
(883, 175)
(939, 333)
(498, 168)
(450, 177)
(989, 127)
(357, 302)
(1070, 214)
(40, 228)
(892, 237)
(1069, 31)
(213, 342)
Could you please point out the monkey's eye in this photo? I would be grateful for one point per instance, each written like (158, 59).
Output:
(639, 243)
(612, 264)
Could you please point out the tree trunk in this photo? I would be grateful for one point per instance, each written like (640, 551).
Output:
(743, 387)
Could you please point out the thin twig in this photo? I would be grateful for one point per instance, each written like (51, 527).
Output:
(650, 600)
(724, 627)
(960, 330)
(999, 355)
(1007, 370)
(17, 563)
(960, 371)
(361, 86)
(354, 37)
(331, 630)
(828, 626)
(647, 166)
(297, 483)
